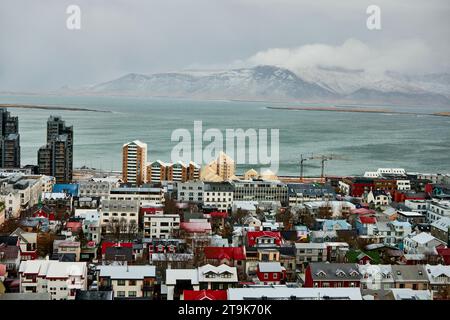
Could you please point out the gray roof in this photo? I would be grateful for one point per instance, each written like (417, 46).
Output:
(409, 273)
(334, 271)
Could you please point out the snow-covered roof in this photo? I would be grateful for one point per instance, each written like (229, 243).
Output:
(53, 268)
(436, 271)
(127, 272)
(172, 275)
(423, 238)
(219, 270)
(270, 267)
(287, 293)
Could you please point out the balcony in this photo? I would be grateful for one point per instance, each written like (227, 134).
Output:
(75, 285)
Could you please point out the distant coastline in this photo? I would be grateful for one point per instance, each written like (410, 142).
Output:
(350, 109)
(26, 106)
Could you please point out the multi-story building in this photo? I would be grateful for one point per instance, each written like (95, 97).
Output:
(161, 226)
(376, 277)
(218, 195)
(261, 190)
(333, 275)
(9, 140)
(134, 163)
(410, 277)
(60, 279)
(119, 211)
(159, 171)
(440, 229)
(190, 191)
(438, 210)
(56, 157)
(145, 195)
(309, 252)
(221, 169)
(127, 281)
(304, 192)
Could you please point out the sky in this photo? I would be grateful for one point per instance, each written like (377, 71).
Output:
(38, 52)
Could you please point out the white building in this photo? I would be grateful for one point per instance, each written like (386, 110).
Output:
(376, 277)
(127, 281)
(438, 210)
(161, 226)
(283, 292)
(119, 210)
(421, 243)
(60, 279)
(218, 195)
(143, 195)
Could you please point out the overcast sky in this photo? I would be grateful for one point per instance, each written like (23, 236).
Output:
(38, 52)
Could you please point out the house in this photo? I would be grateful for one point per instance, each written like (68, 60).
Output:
(10, 256)
(334, 225)
(421, 243)
(127, 281)
(282, 292)
(208, 295)
(27, 243)
(67, 249)
(366, 225)
(60, 279)
(438, 277)
(376, 277)
(444, 255)
(231, 256)
(412, 217)
(270, 272)
(310, 252)
(378, 198)
(161, 226)
(196, 227)
(410, 277)
(263, 239)
(332, 275)
(323, 236)
(207, 277)
(440, 229)
(119, 253)
(408, 294)
(217, 277)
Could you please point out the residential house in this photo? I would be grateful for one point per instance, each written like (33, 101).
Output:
(202, 295)
(440, 229)
(438, 277)
(60, 279)
(127, 281)
(270, 273)
(333, 275)
(410, 277)
(283, 292)
(376, 277)
(27, 243)
(310, 252)
(423, 243)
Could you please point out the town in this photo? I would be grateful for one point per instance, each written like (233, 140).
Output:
(186, 231)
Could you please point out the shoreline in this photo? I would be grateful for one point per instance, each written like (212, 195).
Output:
(43, 107)
(348, 109)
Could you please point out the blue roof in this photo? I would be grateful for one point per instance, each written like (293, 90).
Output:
(329, 224)
(71, 189)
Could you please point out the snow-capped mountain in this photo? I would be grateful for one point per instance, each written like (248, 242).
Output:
(272, 83)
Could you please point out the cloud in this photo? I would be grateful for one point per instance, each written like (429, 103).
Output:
(408, 56)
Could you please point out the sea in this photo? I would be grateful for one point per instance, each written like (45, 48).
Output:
(358, 142)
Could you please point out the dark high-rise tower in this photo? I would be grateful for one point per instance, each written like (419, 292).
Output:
(56, 158)
(9, 140)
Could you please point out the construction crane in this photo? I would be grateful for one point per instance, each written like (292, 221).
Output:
(302, 160)
(322, 158)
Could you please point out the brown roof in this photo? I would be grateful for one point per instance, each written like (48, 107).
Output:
(10, 252)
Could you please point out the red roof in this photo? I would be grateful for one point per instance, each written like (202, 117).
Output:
(362, 211)
(43, 214)
(445, 254)
(205, 295)
(229, 253)
(253, 235)
(196, 227)
(107, 244)
(368, 220)
(218, 214)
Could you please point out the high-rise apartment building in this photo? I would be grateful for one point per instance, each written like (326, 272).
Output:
(9, 140)
(134, 165)
(56, 157)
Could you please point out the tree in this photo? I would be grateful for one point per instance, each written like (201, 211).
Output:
(324, 212)
(306, 218)
(286, 217)
(170, 206)
(132, 230)
(45, 243)
(240, 215)
(10, 226)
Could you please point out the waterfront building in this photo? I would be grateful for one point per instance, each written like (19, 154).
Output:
(134, 162)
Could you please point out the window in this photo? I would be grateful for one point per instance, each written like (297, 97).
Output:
(121, 283)
(132, 294)
(121, 294)
(132, 282)
(266, 276)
